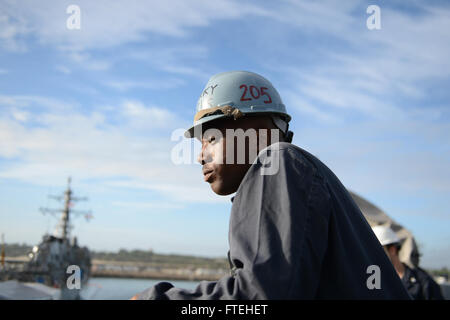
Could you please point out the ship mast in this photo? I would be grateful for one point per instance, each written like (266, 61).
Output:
(69, 200)
(66, 212)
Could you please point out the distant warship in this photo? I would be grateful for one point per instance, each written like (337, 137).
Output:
(49, 260)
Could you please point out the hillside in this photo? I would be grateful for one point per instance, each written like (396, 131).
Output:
(16, 250)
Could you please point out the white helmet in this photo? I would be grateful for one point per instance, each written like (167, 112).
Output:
(236, 94)
(385, 235)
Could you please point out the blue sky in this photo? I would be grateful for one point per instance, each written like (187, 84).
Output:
(100, 104)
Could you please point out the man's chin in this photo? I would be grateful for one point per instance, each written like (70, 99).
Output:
(220, 190)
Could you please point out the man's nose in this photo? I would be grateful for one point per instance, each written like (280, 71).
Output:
(204, 156)
(200, 158)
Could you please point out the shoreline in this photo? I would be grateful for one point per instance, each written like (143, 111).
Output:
(152, 276)
(139, 270)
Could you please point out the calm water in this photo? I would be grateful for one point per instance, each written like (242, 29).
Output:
(123, 289)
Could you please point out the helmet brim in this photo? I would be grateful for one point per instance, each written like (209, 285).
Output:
(196, 130)
(192, 131)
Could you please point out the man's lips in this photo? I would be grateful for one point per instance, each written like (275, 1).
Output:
(207, 174)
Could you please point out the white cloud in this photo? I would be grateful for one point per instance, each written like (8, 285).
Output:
(63, 69)
(141, 116)
(86, 61)
(328, 17)
(35, 103)
(404, 157)
(188, 187)
(414, 40)
(11, 28)
(364, 75)
(367, 93)
(21, 116)
(147, 205)
(123, 86)
(69, 142)
(106, 24)
(297, 102)
(184, 60)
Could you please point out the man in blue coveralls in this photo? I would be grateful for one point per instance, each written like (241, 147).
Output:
(295, 232)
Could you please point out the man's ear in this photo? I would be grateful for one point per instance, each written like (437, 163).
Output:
(392, 250)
